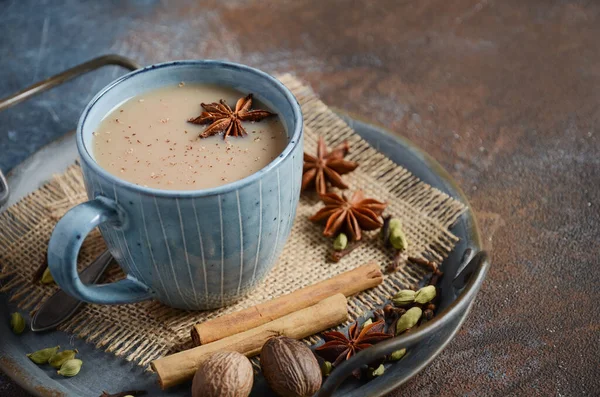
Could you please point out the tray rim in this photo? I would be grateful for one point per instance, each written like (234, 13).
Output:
(447, 314)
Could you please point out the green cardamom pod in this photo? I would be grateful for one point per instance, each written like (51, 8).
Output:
(326, 368)
(17, 323)
(408, 319)
(397, 355)
(425, 294)
(395, 224)
(58, 359)
(340, 242)
(368, 322)
(378, 371)
(404, 297)
(47, 277)
(42, 356)
(398, 239)
(70, 367)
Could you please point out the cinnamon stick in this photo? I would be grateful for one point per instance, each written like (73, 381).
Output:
(179, 367)
(347, 283)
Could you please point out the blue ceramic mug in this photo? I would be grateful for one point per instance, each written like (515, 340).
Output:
(188, 249)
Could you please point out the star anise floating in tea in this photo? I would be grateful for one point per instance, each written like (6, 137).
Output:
(352, 216)
(339, 347)
(221, 117)
(326, 168)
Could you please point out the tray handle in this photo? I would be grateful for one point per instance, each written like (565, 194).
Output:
(50, 82)
(69, 74)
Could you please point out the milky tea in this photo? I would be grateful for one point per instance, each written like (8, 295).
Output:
(147, 140)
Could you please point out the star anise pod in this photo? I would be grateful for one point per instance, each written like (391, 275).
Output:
(353, 216)
(338, 347)
(326, 167)
(222, 118)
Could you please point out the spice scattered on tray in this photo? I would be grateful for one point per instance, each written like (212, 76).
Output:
(42, 356)
(290, 367)
(328, 313)
(415, 307)
(408, 309)
(393, 236)
(47, 277)
(17, 323)
(59, 358)
(39, 272)
(224, 374)
(397, 355)
(70, 368)
(64, 361)
(339, 347)
(349, 215)
(326, 168)
(397, 237)
(373, 373)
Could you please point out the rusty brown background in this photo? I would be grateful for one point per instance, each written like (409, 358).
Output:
(505, 94)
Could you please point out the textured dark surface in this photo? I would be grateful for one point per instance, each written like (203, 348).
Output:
(504, 94)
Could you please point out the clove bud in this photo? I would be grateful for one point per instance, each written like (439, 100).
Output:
(392, 313)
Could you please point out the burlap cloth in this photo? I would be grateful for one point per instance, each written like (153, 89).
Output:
(145, 331)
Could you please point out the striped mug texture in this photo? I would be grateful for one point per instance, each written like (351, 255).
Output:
(188, 249)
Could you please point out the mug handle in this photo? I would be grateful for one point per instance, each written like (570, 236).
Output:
(63, 248)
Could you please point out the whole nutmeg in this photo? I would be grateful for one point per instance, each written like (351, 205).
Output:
(290, 367)
(224, 374)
